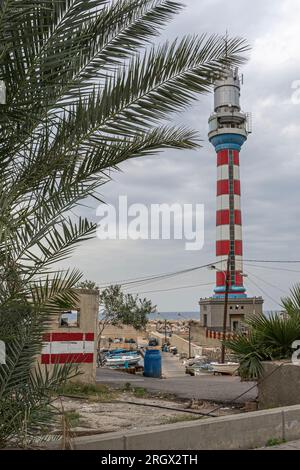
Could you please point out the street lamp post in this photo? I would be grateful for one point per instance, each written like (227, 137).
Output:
(165, 327)
(190, 337)
(165, 330)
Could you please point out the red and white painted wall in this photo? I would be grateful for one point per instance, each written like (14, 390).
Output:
(61, 348)
(74, 342)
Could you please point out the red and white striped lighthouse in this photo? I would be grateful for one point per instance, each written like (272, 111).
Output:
(228, 130)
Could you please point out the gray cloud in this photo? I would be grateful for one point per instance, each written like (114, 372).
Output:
(270, 165)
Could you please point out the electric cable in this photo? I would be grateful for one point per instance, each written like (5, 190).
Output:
(266, 282)
(167, 275)
(175, 288)
(126, 282)
(249, 389)
(264, 292)
(272, 269)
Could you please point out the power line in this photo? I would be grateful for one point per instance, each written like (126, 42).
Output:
(127, 282)
(249, 389)
(272, 269)
(167, 275)
(266, 282)
(264, 292)
(271, 261)
(176, 288)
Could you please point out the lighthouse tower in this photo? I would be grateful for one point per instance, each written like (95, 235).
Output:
(228, 130)
(229, 127)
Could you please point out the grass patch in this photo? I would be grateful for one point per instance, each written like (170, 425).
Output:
(92, 391)
(73, 418)
(180, 418)
(274, 442)
(140, 392)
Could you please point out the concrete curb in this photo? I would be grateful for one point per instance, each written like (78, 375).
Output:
(243, 431)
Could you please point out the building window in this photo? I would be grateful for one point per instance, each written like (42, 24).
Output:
(69, 319)
(230, 307)
(205, 320)
(242, 307)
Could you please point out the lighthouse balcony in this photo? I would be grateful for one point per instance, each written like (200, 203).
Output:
(234, 132)
(228, 115)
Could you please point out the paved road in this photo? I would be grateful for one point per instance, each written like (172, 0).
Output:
(204, 387)
(171, 366)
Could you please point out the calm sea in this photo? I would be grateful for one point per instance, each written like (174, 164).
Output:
(187, 315)
(174, 316)
(182, 315)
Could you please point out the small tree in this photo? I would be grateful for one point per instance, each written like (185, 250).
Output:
(87, 285)
(123, 309)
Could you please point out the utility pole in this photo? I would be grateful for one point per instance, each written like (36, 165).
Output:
(225, 310)
(165, 331)
(190, 338)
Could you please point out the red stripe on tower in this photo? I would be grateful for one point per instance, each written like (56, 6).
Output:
(223, 187)
(223, 157)
(223, 247)
(237, 217)
(238, 278)
(223, 217)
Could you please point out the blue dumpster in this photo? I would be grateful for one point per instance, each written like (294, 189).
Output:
(152, 363)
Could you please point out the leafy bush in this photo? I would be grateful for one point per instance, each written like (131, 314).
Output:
(268, 338)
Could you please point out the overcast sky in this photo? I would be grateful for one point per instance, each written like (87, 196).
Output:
(270, 166)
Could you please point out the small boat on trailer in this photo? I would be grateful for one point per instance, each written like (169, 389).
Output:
(123, 359)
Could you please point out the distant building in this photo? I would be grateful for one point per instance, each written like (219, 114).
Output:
(228, 131)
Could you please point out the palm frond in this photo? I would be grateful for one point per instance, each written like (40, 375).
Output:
(85, 92)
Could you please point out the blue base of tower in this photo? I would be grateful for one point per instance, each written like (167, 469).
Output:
(231, 295)
(228, 141)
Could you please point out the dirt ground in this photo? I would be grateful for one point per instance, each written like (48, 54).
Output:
(88, 416)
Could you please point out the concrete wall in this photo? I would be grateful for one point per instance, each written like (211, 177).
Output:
(124, 331)
(243, 431)
(281, 387)
(198, 334)
(181, 344)
(214, 309)
(88, 306)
